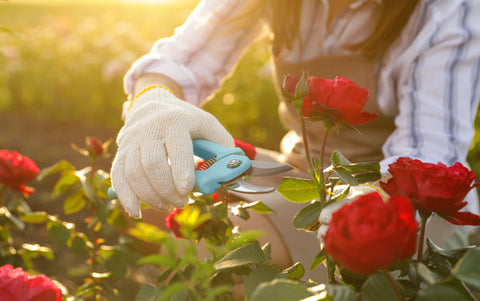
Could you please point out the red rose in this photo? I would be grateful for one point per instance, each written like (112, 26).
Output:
(17, 170)
(248, 149)
(172, 223)
(95, 147)
(433, 188)
(17, 285)
(340, 99)
(370, 234)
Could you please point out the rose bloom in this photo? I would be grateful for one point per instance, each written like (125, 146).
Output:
(172, 224)
(94, 146)
(17, 170)
(433, 188)
(370, 234)
(247, 148)
(340, 99)
(17, 285)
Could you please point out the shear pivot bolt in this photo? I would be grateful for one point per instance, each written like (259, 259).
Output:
(234, 163)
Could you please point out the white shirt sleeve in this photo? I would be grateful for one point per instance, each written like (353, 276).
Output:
(201, 52)
(437, 89)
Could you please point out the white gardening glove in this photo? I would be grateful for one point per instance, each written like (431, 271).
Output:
(155, 161)
(327, 212)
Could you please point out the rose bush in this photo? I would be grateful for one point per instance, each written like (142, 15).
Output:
(370, 234)
(339, 99)
(17, 170)
(433, 188)
(367, 249)
(17, 285)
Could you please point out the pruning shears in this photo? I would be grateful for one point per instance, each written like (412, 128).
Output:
(227, 167)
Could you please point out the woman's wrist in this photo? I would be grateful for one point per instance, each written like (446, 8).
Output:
(151, 79)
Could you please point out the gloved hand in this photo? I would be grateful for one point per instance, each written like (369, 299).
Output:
(155, 162)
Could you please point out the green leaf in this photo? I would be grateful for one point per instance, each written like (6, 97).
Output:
(446, 291)
(448, 253)
(281, 290)
(78, 243)
(264, 273)
(20, 224)
(35, 249)
(249, 253)
(65, 183)
(345, 176)
(428, 276)
(173, 289)
(355, 173)
(117, 219)
(341, 292)
(378, 287)
(159, 260)
(259, 207)
(338, 159)
(267, 250)
(116, 266)
(321, 256)
(296, 271)
(85, 180)
(74, 203)
(37, 217)
(58, 232)
(148, 233)
(298, 190)
(241, 212)
(367, 177)
(307, 216)
(148, 292)
(467, 269)
(58, 167)
(243, 238)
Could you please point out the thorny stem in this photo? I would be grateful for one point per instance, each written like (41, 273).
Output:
(398, 295)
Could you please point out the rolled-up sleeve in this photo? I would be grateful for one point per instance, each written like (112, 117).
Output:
(202, 51)
(437, 92)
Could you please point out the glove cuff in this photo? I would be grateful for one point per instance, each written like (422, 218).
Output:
(154, 91)
(144, 91)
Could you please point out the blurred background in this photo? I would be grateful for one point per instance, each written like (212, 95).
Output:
(62, 64)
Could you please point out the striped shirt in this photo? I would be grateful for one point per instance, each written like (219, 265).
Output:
(429, 79)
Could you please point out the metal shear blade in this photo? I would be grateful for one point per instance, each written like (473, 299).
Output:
(259, 169)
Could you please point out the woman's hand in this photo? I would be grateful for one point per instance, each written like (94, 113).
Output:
(155, 162)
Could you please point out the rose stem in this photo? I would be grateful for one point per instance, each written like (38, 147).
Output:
(307, 150)
(3, 190)
(322, 155)
(398, 296)
(422, 236)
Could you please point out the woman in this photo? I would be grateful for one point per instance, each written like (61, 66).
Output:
(419, 59)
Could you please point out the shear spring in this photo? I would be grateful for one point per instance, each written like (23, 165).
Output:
(206, 164)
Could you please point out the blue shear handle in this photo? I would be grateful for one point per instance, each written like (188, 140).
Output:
(211, 179)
